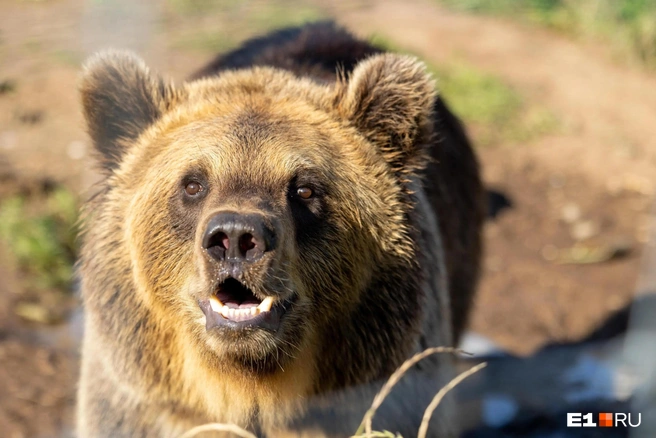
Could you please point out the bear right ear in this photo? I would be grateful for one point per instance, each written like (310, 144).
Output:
(390, 99)
(121, 98)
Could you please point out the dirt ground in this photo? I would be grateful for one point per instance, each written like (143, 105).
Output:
(558, 262)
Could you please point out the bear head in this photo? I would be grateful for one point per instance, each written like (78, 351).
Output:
(259, 214)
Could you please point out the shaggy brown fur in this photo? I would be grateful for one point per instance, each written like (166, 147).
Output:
(363, 267)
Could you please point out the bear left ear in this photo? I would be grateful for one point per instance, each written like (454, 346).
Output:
(390, 99)
(121, 98)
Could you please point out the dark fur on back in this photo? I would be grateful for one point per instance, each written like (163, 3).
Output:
(316, 50)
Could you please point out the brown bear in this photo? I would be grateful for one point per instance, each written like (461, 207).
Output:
(292, 223)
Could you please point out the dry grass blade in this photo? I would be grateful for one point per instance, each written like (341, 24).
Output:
(218, 427)
(379, 434)
(365, 425)
(428, 413)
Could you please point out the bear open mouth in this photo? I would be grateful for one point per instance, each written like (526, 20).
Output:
(236, 302)
(234, 306)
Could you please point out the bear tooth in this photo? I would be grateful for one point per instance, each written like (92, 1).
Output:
(231, 313)
(215, 304)
(265, 305)
(224, 311)
(254, 311)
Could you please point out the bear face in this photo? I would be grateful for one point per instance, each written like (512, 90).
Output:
(257, 211)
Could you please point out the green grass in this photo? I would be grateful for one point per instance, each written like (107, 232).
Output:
(206, 41)
(493, 111)
(198, 7)
(33, 46)
(41, 236)
(496, 112)
(67, 57)
(629, 26)
(236, 21)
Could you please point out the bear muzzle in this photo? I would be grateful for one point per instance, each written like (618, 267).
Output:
(236, 245)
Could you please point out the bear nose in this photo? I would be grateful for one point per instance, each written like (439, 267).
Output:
(235, 237)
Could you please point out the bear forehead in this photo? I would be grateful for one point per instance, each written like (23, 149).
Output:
(248, 139)
(244, 120)
(259, 83)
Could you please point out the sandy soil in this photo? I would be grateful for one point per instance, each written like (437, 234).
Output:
(588, 186)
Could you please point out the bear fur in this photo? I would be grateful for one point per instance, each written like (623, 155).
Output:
(379, 262)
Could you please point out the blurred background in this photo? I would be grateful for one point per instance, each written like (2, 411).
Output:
(558, 96)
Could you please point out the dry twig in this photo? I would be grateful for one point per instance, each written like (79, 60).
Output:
(428, 413)
(365, 425)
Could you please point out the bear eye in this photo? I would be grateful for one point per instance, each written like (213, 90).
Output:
(193, 188)
(304, 192)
